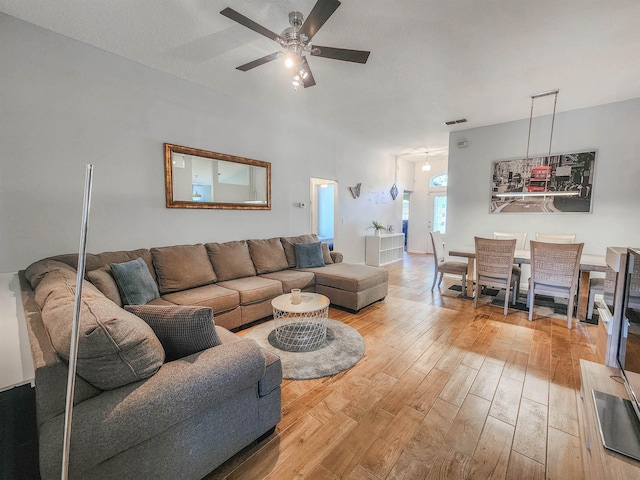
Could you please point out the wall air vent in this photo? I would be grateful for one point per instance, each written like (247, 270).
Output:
(453, 122)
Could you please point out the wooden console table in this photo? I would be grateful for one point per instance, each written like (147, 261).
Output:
(600, 463)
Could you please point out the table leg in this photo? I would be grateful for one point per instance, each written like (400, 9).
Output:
(470, 275)
(583, 295)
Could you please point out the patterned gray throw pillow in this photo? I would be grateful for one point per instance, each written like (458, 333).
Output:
(182, 330)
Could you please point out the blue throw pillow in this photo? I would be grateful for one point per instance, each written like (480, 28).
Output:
(135, 283)
(308, 255)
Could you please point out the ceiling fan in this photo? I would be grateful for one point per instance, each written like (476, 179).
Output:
(296, 41)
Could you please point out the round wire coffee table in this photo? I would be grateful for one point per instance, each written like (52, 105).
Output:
(301, 327)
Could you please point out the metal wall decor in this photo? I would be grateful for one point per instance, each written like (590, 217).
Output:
(355, 191)
(394, 191)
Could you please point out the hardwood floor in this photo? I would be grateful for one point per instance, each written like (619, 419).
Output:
(443, 392)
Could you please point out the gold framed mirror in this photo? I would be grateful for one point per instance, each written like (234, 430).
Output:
(202, 179)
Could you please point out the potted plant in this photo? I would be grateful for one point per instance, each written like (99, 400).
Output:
(377, 227)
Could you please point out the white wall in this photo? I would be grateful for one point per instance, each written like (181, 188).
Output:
(64, 104)
(612, 130)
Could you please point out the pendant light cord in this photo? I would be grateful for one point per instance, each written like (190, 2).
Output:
(553, 119)
(530, 120)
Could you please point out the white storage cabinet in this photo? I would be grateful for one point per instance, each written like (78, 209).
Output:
(384, 248)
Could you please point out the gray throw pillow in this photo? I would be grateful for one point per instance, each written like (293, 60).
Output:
(135, 283)
(181, 330)
(308, 255)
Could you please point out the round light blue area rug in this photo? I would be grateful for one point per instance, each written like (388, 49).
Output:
(342, 349)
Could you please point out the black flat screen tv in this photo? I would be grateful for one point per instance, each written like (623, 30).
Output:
(620, 418)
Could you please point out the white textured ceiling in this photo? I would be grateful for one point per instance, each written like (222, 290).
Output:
(431, 60)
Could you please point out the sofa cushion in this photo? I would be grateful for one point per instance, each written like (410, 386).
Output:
(308, 255)
(135, 284)
(181, 267)
(326, 254)
(293, 279)
(289, 249)
(114, 347)
(231, 260)
(104, 281)
(267, 255)
(220, 299)
(181, 330)
(254, 289)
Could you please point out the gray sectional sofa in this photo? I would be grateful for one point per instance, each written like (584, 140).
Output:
(139, 414)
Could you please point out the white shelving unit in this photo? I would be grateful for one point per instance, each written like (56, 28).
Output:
(384, 248)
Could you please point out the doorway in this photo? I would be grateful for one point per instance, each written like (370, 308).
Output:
(437, 206)
(324, 206)
(406, 202)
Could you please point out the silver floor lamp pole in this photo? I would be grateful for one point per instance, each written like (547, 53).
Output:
(73, 352)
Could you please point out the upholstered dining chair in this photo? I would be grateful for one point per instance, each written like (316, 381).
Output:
(495, 268)
(556, 238)
(554, 272)
(520, 237)
(442, 267)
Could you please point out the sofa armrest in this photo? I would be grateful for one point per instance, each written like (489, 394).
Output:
(336, 257)
(116, 420)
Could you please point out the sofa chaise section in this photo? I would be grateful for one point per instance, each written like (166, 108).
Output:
(351, 286)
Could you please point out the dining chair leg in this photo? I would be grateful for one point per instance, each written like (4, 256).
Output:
(514, 294)
(464, 285)
(435, 277)
(506, 302)
(570, 312)
(475, 297)
(441, 277)
(531, 300)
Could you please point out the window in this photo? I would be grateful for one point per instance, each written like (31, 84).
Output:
(439, 180)
(440, 213)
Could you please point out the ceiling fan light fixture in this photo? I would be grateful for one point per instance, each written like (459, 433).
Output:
(290, 60)
(295, 41)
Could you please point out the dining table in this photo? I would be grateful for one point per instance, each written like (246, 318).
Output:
(588, 263)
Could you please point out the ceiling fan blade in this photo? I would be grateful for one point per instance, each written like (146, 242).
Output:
(357, 56)
(320, 13)
(259, 61)
(242, 20)
(309, 81)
